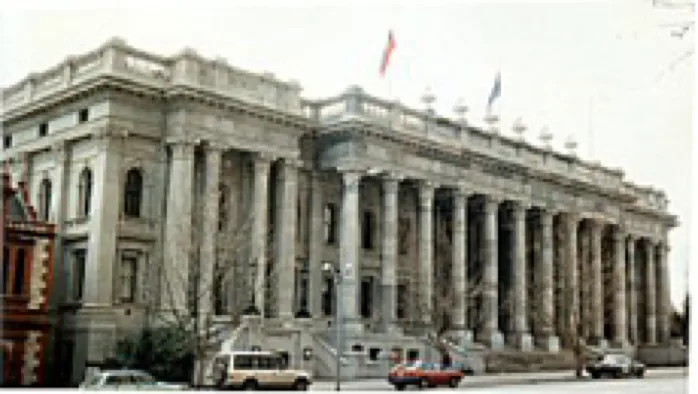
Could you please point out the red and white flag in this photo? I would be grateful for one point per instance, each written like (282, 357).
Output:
(389, 48)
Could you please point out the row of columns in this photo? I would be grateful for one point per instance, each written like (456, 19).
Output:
(625, 313)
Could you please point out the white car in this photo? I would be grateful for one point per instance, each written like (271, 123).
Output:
(126, 379)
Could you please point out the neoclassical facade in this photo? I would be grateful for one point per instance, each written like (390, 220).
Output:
(183, 185)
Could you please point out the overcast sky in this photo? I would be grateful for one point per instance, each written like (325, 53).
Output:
(601, 71)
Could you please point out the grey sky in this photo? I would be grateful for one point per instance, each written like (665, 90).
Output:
(556, 58)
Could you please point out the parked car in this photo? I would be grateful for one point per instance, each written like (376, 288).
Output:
(126, 379)
(423, 375)
(616, 366)
(256, 370)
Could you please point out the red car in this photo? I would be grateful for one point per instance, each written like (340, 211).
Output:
(423, 375)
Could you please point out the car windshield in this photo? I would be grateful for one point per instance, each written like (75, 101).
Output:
(613, 359)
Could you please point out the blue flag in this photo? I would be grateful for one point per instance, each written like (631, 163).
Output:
(496, 91)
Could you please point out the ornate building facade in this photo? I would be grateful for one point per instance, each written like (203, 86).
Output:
(184, 185)
(25, 289)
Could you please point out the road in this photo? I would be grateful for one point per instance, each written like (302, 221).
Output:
(672, 381)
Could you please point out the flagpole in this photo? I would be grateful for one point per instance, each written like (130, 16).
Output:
(590, 128)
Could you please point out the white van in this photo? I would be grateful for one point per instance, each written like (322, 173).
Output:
(255, 370)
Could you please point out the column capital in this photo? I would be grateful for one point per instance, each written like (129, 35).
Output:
(390, 183)
(521, 205)
(215, 147)
(630, 237)
(292, 162)
(263, 157)
(427, 185)
(597, 224)
(619, 234)
(463, 190)
(351, 178)
(492, 201)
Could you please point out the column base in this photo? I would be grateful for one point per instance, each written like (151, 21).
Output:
(494, 340)
(353, 328)
(522, 341)
(621, 343)
(549, 343)
(598, 342)
(461, 337)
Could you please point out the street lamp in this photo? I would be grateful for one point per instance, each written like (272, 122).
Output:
(330, 268)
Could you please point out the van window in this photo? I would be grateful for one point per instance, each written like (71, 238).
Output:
(244, 361)
(267, 362)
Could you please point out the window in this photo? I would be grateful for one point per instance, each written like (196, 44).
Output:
(330, 224)
(84, 192)
(43, 129)
(78, 274)
(5, 271)
(366, 297)
(328, 296)
(128, 277)
(373, 353)
(133, 193)
(367, 230)
(20, 273)
(7, 141)
(83, 115)
(404, 225)
(44, 199)
(244, 361)
(401, 300)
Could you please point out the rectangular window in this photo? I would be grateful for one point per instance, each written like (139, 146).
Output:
(78, 274)
(403, 235)
(328, 296)
(367, 230)
(401, 300)
(43, 129)
(83, 115)
(19, 282)
(330, 224)
(5, 271)
(129, 265)
(7, 141)
(366, 297)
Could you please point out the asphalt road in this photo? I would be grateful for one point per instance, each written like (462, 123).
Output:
(673, 381)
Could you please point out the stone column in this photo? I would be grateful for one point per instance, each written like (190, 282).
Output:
(59, 179)
(207, 256)
(571, 277)
(650, 295)
(426, 249)
(491, 334)
(663, 301)
(632, 291)
(460, 267)
(597, 288)
(178, 242)
(620, 308)
(349, 251)
(522, 333)
(546, 336)
(315, 246)
(261, 164)
(286, 237)
(388, 282)
(104, 219)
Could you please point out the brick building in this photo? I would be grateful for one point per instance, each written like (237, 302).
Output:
(25, 285)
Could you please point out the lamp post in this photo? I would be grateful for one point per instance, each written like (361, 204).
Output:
(338, 271)
(337, 279)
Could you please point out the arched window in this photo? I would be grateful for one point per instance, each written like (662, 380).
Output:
(44, 199)
(133, 193)
(84, 192)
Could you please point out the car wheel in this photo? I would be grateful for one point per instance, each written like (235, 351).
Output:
(640, 374)
(617, 374)
(453, 383)
(595, 375)
(399, 387)
(301, 385)
(249, 385)
(421, 384)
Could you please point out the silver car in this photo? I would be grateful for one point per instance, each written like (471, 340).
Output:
(126, 379)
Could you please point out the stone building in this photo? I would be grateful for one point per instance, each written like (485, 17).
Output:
(25, 289)
(161, 173)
